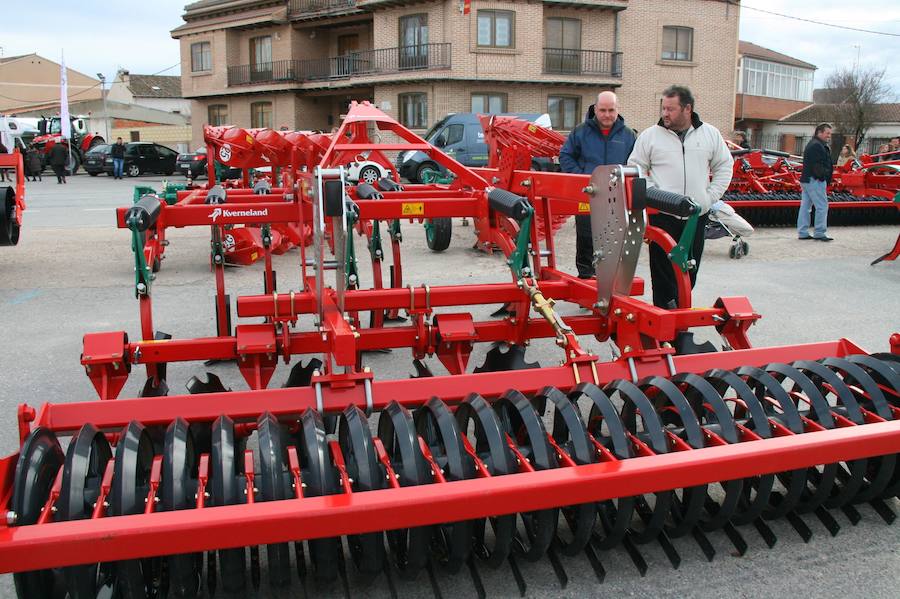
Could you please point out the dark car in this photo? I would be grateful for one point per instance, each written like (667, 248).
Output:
(95, 158)
(192, 165)
(145, 157)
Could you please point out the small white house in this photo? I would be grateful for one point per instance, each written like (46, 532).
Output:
(159, 92)
(796, 129)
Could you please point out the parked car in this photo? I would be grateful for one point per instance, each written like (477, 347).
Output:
(459, 135)
(145, 157)
(193, 164)
(95, 159)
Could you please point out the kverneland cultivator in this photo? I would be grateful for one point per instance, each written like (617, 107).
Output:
(765, 189)
(342, 475)
(12, 198)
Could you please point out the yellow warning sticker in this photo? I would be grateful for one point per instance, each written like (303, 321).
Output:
(584, 206)
(532, 128)
(413, 209)
(249, 139)
(254, 256)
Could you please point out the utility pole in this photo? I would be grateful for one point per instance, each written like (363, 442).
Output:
(103, 93)
(856, 63)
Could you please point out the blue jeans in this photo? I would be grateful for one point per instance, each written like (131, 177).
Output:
(118, 166)
(813, 195)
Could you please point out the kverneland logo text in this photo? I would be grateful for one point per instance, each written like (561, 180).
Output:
(226, 213)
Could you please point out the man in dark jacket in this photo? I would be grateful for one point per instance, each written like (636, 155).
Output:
(33, 163)
(817, 171)
(602, 138)
(59, 158)
(117, 153)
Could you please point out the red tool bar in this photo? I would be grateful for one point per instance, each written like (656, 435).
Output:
(413, 206)
(163, 533)
(422, 147)
(225, 214)
(248, 405)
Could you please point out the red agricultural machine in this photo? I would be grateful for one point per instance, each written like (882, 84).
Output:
(12, 198)
(80, 142)
(765, 189)
(342, 475)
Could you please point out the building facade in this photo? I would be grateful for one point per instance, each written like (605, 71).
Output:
(770, 86)
(298, 63)
(30, 80)
(159, 92)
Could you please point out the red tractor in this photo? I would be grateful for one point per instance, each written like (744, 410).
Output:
(79, 143)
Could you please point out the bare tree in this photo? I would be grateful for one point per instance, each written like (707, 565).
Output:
(853, 94)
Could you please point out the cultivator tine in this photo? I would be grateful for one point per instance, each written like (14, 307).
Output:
(828, 521)
(635, 554)
(852, 513)
(517, 574)
(432, 578)
(883, 510)
(558, 568)
(211, 584)
(342, 570)
(476, 577)
(254, 567)
(765, 532)
(301, 374)
(422, 370)
(596, 564)
(798, 524)
(645, 513)
(703, 541)
(300, 560)
(212, 384)
(498, 360)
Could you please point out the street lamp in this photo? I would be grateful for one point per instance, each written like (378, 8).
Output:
(105, 113)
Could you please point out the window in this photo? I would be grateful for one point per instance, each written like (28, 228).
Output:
(564, 111)
(414, 41)
(449, 136)
(678, 43)
(413, 110)
(762, 78)
(201, 57)
(218, 115)
(496, 28)
(489, 103)
(261, 115)
(562, 50)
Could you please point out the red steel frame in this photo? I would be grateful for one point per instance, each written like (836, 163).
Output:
(641, 331)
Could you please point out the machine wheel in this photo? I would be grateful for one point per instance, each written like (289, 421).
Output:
(226, 467)
(439, 233)
(274, 486)
(420, 172)
(72, 164)
(9, 228)
(133, 170)
(369, 174)
(39, 461)
(92, 173)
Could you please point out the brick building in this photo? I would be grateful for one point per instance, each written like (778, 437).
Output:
(770, 86)
(297, 63)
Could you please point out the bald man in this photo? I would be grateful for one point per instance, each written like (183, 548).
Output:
(603, 138)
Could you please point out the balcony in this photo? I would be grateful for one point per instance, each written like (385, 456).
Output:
(563, 61)
(405, 59)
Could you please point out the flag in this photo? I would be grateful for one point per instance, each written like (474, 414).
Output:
(64, 122)
(467, 6)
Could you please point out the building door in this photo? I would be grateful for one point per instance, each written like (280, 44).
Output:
(261, 58)
(414, 41)
(348, 54)
(562, 49)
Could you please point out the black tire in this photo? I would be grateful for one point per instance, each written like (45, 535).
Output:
(133, 170)
(420, 172)
(440, 233)
(9, 229)
(169, 172)
(369, 174)
(110, 174)
(92, 173)
(73, 165)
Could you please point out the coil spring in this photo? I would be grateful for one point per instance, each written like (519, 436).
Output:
(552, 429)
(782, 216)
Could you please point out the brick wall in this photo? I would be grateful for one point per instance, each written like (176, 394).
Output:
(177, 137)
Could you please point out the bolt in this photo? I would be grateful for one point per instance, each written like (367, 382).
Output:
(617, 312)
(141, 288)
(626, 349)
(11, 518)
(588, 190)
(667, 345)
(629, 317)
(526, 183)
(600, 304)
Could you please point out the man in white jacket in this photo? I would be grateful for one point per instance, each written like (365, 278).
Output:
(678, 155)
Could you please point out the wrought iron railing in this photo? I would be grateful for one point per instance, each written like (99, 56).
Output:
(563, 61)
(421, 57)
(278, 71)
(299, 7)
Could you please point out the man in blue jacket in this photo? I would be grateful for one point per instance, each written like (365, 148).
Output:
(817, 171)
(603, 138)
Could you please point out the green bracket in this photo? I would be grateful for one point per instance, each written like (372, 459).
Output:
(266, 234)
(142, 272)
(394, 231)
(681, 253)
(518, 259)
(433, 176)
(217, 248)
(375, 242)
(350, 256)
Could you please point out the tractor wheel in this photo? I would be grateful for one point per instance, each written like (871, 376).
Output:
(133, 170)
(369, 174)
(438, 234)
(9, 228)
(93, 174)
(72, 165)
(420, 172)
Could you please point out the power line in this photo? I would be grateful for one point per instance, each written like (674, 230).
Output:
(778, 14)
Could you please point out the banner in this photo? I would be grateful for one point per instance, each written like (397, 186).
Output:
(65, 123)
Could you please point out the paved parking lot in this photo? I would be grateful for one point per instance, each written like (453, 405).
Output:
(72, 274)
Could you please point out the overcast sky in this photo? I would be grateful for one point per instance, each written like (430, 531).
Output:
(102, 36)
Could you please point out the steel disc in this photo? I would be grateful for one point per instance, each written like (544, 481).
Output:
(225, 469)
(39, 462)
(490, 446)
(85, 463)
(274, 484)
(131, 483)
(355, 438)
(181, 453)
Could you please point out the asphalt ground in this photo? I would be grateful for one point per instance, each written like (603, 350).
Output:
(72, 274)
